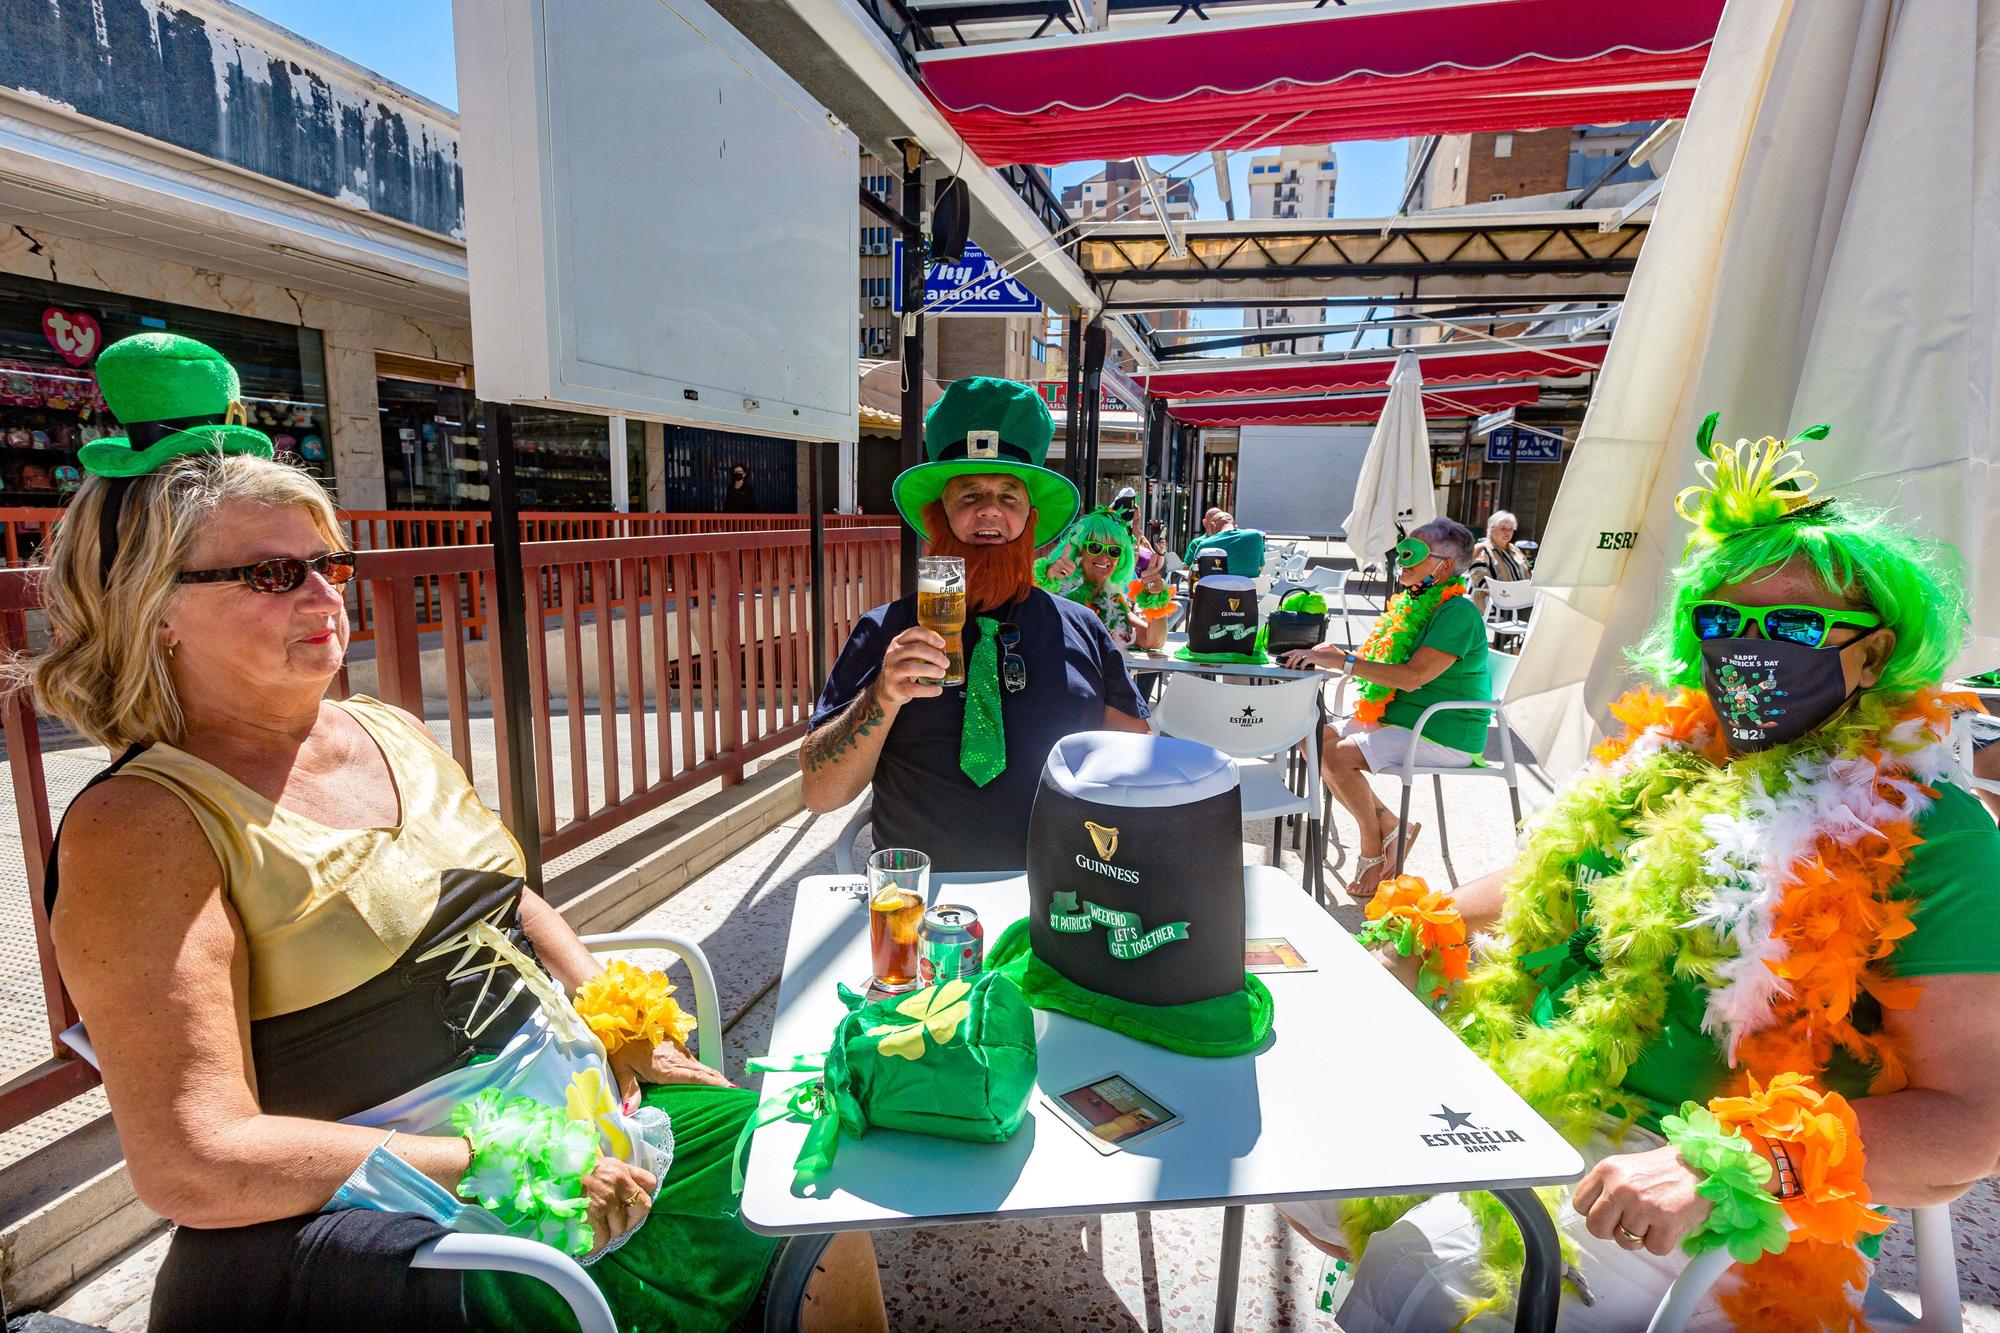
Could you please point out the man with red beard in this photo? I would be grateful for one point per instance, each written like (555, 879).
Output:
(955, 768)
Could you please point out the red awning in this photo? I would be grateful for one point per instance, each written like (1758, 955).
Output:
(1439, 367)
(1375, 72)
(1357, 407)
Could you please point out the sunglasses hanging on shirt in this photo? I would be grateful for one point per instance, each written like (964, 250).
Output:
(1013, 669)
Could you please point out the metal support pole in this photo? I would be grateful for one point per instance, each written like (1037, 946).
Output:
(916, 259)
(1095, 340)
(816, 572)
(509, 620)
(1073, 419)
(1227, 1267)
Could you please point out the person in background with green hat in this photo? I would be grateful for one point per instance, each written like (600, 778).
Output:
(955, 769)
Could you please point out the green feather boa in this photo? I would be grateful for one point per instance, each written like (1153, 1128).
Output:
(1648, 811)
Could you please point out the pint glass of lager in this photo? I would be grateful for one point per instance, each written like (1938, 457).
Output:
(941, 609)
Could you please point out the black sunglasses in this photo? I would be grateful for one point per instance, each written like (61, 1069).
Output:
(1013, 670)
(280, 573)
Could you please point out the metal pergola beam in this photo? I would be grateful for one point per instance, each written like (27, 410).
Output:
(1470, 302)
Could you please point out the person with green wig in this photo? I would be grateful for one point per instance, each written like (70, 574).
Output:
(1748, 961)
(1093, 563)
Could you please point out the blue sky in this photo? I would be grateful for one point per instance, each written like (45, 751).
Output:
(409, 42)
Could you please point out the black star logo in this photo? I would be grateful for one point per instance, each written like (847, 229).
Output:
(1249, 710)
(1452, 1119)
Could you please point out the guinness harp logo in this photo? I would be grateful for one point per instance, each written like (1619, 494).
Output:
(1104, 839)
(1235, 602)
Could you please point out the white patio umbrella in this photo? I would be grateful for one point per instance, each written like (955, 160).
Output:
(1395, 483)
(1823, 250)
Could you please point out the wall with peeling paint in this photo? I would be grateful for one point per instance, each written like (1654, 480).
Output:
(219, 82)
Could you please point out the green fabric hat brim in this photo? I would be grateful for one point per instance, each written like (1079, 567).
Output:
(1233, 1024)
(1238, 659)
(115, 457)
(1054, 496)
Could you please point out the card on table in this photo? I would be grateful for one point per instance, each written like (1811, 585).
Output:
(1273, 953)
(1113, 1112)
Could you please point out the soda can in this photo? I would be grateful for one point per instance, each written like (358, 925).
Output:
(950, 944)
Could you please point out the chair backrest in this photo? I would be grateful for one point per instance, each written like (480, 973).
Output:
(1325, 578)
(1511, 594)
(1242, 721)
(1499, 670)
(1292, 567)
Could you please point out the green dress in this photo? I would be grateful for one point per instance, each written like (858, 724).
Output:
(691, 1267)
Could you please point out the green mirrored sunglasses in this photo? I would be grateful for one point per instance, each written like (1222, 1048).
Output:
(1807, 625)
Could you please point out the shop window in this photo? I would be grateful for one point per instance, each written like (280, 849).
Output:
(434, 456)
(50, 336)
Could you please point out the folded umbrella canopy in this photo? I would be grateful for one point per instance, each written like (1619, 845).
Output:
(1395, 487)
(1443, 364)
(1379, 70)
(1336, 409)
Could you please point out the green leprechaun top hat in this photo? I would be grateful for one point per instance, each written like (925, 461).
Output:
(984, 425)
(173, 396)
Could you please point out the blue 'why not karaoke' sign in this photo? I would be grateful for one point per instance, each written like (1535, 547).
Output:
(973, 286)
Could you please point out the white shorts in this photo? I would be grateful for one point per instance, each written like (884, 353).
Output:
(1386, 748)
(1417, 1273)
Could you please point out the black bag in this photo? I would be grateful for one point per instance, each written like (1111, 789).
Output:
(1286, 631)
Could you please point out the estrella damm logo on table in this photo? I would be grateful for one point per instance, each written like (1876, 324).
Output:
(1460, 1132)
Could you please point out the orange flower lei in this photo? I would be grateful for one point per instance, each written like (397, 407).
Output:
(1395, 636)
(1415, 918)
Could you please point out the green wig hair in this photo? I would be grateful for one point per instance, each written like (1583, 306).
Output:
(1100, 525)
(1757, 514)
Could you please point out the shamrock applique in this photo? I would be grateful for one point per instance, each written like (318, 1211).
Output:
(938, 1010)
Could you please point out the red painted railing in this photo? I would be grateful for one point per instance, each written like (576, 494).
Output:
(22, 530)
(697, 647)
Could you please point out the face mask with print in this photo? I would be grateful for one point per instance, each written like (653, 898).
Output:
(1771, 692)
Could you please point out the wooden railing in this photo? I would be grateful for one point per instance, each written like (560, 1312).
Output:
(696, 648)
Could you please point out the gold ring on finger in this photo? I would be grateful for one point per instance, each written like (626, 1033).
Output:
(1627, 1234)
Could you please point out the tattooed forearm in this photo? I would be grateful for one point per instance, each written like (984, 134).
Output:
(833, 742)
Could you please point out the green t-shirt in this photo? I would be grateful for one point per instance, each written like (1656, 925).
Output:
(1954, 874)
(1456, 628)
(1244, 545)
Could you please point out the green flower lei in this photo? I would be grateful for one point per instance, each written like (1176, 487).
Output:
(1744, 1218)
(528, 1165)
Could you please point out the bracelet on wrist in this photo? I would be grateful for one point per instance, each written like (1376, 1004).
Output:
(1416, 921)
(528, 1165)
(626, 1005)
(1820, 1137)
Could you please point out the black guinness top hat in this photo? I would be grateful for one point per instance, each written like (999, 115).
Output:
(1135, 895)
(1222, 621)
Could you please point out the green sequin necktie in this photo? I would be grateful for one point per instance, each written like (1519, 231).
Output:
(982, 743)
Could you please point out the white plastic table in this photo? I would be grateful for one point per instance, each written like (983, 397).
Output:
(1164, 660)
(1359, 1091)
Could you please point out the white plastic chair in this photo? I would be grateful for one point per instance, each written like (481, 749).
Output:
(1508, 605)
(1292, 566)
(1257, 726)
(1938, 1308)
(1966, 729)
(843, 846)
(1331, 584)
(1500, 669)
(531, 1258)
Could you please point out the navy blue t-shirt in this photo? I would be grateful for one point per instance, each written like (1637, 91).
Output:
(922, 798)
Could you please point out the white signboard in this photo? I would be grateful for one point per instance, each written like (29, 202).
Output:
(661, 224)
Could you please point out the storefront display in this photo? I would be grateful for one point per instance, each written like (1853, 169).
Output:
(433, 457)
(50, 335)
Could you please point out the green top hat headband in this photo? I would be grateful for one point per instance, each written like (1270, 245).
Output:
(173, 396)
(982, 426)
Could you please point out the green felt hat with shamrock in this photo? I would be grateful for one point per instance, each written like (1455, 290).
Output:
(982, 425)
(173, 396)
